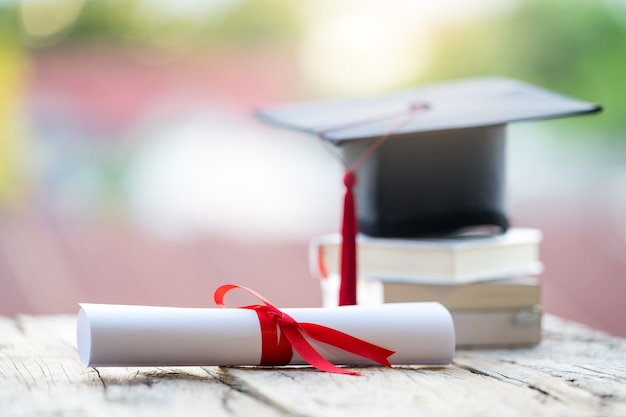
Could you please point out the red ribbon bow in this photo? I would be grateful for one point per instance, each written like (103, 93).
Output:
(277, 348)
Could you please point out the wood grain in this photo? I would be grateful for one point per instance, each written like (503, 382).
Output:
(575, 371)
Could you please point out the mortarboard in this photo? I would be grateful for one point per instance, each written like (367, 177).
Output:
(443, 167)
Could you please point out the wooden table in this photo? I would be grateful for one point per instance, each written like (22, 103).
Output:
(575, 371)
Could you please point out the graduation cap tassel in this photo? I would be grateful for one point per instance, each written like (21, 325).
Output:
(349, 230)
(349, 224)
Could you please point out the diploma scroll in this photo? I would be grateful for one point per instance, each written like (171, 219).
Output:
(122, 335)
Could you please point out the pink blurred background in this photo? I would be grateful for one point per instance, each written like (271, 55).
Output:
(133, 176)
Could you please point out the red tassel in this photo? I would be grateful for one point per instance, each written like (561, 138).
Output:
(349, 229)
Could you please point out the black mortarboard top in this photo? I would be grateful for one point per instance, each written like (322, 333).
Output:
(441, 171)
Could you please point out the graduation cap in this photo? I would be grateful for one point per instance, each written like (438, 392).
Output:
(430, 160)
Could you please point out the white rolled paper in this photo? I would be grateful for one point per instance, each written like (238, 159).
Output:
(122, 335)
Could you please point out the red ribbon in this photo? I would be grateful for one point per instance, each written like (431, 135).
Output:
(277, 347)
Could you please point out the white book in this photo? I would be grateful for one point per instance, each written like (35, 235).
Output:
(516, 292)
(457, 259)
(497, 328)
(473, 327)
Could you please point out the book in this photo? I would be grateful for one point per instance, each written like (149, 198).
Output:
(482, 323)
(455, 259)
(497, 328)
(513, 293)
(517, 292)
(504, 313)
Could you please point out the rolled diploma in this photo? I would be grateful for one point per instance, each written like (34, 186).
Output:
(123, 335)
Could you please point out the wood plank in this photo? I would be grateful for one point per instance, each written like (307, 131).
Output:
(450, 391)
(574, 371)
(574, 364)
(40, 375)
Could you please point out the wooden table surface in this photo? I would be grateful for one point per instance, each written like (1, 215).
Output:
(575, 371)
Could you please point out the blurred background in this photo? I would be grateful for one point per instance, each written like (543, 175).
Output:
(132, 170)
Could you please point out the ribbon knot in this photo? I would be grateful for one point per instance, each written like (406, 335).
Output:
(281, 334)
(284, 320)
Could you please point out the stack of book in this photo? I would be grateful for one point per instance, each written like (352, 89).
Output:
(489, 283)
